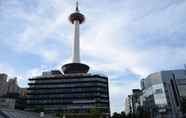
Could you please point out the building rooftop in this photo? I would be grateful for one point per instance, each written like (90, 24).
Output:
(57, 76)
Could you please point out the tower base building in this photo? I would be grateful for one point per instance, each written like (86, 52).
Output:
(70, 94)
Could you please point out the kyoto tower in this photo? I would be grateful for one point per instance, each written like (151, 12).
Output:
(76, 66)
(75, 92)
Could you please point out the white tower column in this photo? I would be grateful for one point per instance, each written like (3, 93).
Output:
(76, 66)
(76, 43)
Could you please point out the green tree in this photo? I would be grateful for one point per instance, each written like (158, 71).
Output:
(116, 115)
(119, 115)
(59, 114)
(131, 115)
(123, 115)
(95, 113)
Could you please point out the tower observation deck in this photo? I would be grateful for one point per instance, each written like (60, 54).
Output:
(76, 66)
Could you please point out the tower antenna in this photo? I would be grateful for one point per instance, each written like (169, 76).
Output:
(77, 5)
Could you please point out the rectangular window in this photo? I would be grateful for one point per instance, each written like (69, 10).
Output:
(158, 91)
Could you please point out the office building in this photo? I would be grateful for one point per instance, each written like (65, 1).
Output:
(164, 94)
(133, 101)
(69, 94)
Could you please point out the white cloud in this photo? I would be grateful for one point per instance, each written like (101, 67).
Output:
(11, 72)
(109, 40)
(119, 89)
(40, 27)
(7, 69)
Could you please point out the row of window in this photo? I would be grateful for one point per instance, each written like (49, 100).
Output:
(53, 88)
(67, 96)
(70, 80)
(102, 97)
(68, 101)
(69, 91)
(69, 85)
(75, 109)
(46, 102)
(56, 83)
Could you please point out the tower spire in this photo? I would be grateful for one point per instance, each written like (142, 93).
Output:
(77, 6)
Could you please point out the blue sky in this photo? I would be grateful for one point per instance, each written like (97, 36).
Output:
(124, 39)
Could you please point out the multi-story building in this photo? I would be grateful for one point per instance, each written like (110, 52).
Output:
(21, 99)
(164, 94)
(8, 87)
(132, 102)
(73, 92)
(3, 84)
(9, 92)
(13, 87)
(128, 105)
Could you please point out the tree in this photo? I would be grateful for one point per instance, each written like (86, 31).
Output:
(60, 114)
(95, 113)
(123, 115)
(131, 115)
(119, 115)
(116, 115)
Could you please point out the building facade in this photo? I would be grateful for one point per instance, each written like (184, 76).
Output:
(128, 105)
(164, 94)
(74, 94)
(13, 87)
(3, 84)
(132, 102)
(8, 86)
(7, 103)
(9, 91)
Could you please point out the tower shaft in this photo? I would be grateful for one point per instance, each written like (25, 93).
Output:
(76, 43)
